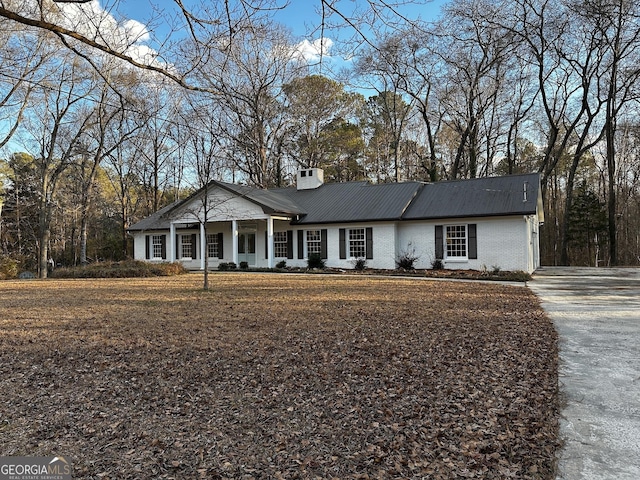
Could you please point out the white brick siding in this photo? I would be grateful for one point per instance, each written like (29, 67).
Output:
(507, 243)
(503, 242)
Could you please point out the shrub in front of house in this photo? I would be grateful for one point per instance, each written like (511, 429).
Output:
(124, 269)
(406, 259)
(281, 264)
(244, 265)
(437, 264)
(315, 262)
(359, 264)
(226, 266)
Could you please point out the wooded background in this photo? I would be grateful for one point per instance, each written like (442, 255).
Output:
(98, 130)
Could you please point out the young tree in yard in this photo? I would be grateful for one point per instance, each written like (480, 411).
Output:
(201, 134)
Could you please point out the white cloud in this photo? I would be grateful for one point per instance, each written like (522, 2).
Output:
(136, 31)
(91, 20)
(312, 51)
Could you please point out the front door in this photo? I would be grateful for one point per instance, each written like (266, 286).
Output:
(247, 246)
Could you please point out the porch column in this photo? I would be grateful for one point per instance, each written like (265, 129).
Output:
(270, 242)
(170, 243)
(203, 245)
(234, 236)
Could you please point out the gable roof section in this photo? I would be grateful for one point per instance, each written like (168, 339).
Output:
(492, 196)
(270, 200)
(156, 220)
(352, 201)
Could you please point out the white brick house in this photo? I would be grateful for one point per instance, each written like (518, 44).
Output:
(468, 224)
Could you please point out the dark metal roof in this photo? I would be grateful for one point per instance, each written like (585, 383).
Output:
(493, 196)
(352, 201)
(364, 202)
(156, 220)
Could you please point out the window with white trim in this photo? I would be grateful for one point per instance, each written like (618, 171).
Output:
(456, 241)
(185, 246)
(212, 245)
(314, 242)
(280, 244)
(157, 246)
(357, 243)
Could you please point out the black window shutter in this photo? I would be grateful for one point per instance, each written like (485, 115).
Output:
(473, 241)
(178, 256)
(220, 246)
(163, 244)
(323, 243)
(147, 247)
(266, 245)
(439, 243)
(194, 246)
(343, 243)
(300, 244)
(369, 244)
(289, 243)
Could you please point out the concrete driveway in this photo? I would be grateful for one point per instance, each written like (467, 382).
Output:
(597, 315)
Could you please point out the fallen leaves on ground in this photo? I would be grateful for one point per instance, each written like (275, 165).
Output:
(269, 376)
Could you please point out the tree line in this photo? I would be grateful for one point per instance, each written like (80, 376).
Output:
(95, 138)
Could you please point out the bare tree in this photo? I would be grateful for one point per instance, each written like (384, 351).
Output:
(203, 137)
(56, 124)
(250, 75)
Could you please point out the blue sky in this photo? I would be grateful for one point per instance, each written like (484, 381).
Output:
(300, 15)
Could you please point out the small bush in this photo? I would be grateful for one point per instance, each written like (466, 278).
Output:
(517, 276)
(406, 260)
(244, 265)
(225, 266)
(437, 264)
(8, 267)
(281, 264)
(315, 261)
(359, 264)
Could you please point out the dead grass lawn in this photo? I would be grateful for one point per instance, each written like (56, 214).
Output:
(275, 376)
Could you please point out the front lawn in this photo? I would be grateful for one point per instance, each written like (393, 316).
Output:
(279, 376)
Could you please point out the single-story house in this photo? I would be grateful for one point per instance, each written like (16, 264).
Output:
(483, 223)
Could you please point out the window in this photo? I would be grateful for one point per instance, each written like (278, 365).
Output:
(186, 247)
(314, 242)
(357, 244)
(212, 245)
(157, 246)
(280, 244)
(456, 241)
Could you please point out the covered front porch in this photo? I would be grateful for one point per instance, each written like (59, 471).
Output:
(249, 242)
